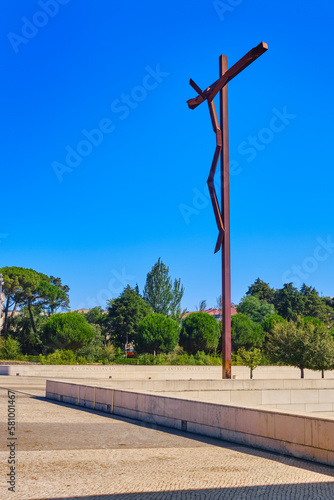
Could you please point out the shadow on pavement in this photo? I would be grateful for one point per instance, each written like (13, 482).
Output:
(269, 455)
(307, 491)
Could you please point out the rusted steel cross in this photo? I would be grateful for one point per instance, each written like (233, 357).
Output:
(222, 214)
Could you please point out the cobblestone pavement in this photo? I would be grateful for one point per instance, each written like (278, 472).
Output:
(66, 452)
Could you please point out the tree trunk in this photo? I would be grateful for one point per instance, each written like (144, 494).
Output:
(31, 318)
(301, 372)
(12, 315)
(5, 325)
(126, 346)
(14, 310)
(251, 372)
(322, 373)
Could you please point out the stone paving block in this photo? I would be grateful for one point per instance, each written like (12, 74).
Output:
(69, 452)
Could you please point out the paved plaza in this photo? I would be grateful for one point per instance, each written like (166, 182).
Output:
(69, 452)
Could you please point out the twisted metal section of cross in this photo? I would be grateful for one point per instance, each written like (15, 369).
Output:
(216, 156)
(210, 181)
(209, 95)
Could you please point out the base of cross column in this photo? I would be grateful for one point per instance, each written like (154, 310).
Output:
(227, 369)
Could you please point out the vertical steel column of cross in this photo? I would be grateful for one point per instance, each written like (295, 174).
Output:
(1, 283)
(225, 209)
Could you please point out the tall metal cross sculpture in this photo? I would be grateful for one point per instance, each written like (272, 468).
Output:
(222, 214)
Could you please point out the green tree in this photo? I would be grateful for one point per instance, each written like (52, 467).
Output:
(306, 343)
(39, 291)
(68, 331)
(96, 316)
(269, 322)
(314, 305)
(125, 314)
(93, 351)
(321, 345)
(330, 309)
(55, 296)
(157, 334)
(255, 308)
(28, 288)
(261, 290)
(12, 288)
(245, 333)
(251, 358)
(20, 328)
(200, 332)
(323, 352)
(288, 302)
(163, 296)
(287, 345)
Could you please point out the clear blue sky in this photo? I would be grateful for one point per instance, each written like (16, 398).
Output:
(102, 219)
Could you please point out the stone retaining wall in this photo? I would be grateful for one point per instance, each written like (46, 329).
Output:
(299, 435)
(134, 372)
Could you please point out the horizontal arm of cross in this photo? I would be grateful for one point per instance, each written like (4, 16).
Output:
(213, 90)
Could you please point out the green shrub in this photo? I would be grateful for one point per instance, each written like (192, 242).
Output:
(179, 357)
(9, 348)
(128, 361)
(2, 343)
(207, 359)
(31, 358)
(108, 354)
(59, 358)
(81, 360)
